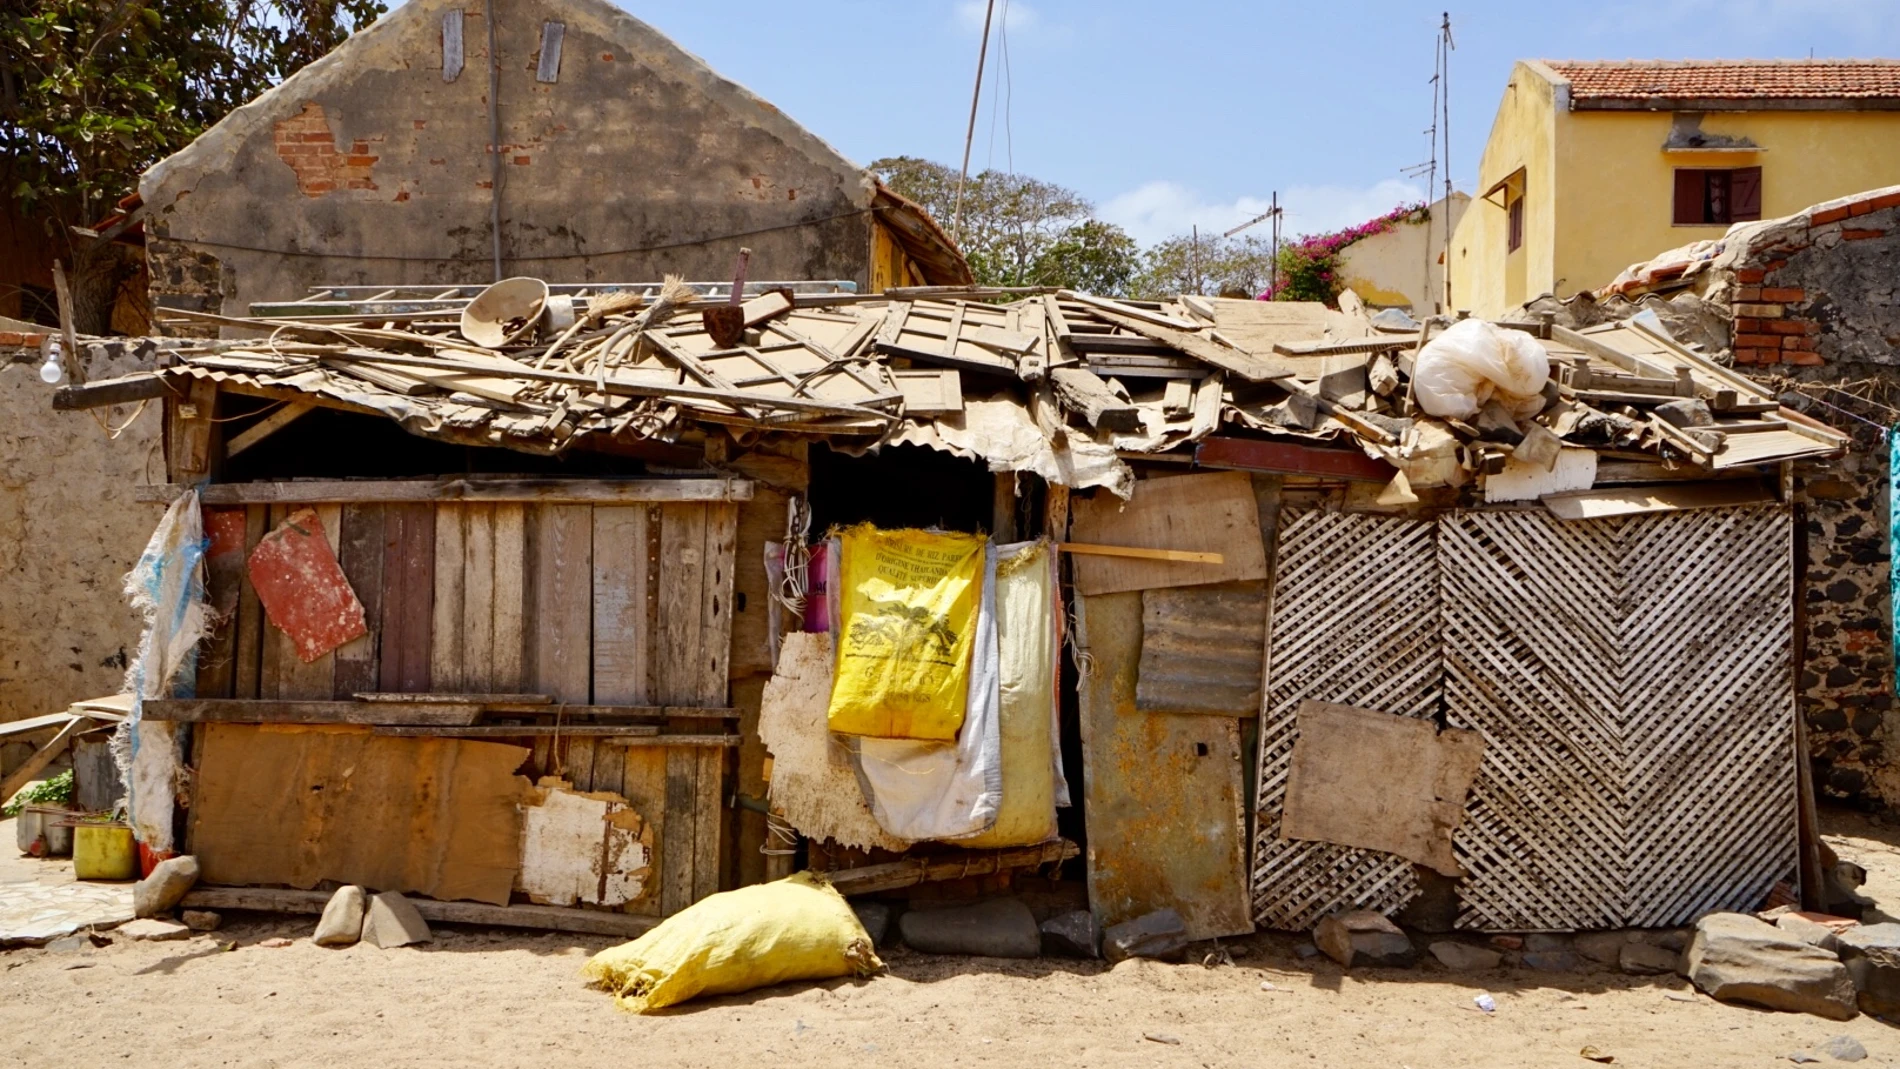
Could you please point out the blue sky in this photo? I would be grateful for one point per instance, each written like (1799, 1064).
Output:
(1191, 112)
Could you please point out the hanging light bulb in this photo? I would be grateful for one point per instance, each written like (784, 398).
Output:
(52, 372)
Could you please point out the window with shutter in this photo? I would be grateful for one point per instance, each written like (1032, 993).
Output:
(1514, 239)
(1744, 194)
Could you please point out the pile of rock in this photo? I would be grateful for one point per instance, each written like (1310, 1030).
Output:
(1805, 963)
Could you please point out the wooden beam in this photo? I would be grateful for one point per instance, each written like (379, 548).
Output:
(40, 759)
(125, 389)
(1090, 549)
(546, 918)
(63, 295)
(1205, 349)
(544, 491)
(605, 734)
(913, 871)
(1291, 458)
(265, 711)
(1087, 395)
(267, 426)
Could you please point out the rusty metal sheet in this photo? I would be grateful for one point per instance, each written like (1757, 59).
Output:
(1163, 791)
(1201, 649)
(303, 589)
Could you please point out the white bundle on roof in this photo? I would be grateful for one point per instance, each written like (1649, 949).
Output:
(1474, 362)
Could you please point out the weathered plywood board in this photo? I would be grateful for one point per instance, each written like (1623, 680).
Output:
(224, 576)
(306, 598)
(408, 605)
(1163, 791)
(563, 602)
(360, 554)
(623, 621)
(298, 805)
(1364, 778)
(813, 782)
(1207, 513)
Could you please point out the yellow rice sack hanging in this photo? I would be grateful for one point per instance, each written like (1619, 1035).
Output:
(798, 928)
(908, 603)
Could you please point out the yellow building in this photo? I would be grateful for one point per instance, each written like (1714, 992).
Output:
(1592, 166)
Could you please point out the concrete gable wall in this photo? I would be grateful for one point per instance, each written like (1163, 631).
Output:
(369, 167)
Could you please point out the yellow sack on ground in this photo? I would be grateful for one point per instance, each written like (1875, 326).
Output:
(908, 603)
(798, 928)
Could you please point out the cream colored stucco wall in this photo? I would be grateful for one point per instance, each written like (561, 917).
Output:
(1618, 185)
(1403, 267)
(1484, 279)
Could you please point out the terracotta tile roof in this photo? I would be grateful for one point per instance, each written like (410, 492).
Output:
(1717, 79)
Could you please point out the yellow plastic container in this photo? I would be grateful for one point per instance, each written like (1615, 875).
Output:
(104, 852)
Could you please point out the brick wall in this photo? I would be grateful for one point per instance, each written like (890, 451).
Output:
(1814, 299)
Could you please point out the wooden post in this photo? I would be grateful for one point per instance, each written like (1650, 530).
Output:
(69, 333)
(1003, 508)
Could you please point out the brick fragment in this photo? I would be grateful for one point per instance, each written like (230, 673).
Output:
(1748, 293)
(1790, 326)
(1801, 358)
(1874, 204)
(1750, 274)
(1832, 215)
(1747, 325)
(1768, 356)
(1760, 311)
(1744, 356)
(1861, 235)
(1784, 294)
(1767, 341)
(1802, 342)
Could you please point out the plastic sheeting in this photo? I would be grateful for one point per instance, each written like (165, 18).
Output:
(1033, 783)
(167, 586)
(945, 790)
(1473, 362)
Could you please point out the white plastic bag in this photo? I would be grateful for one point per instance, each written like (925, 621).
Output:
(1474, 362)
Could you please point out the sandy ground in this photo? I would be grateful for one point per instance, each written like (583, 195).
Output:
(495, 998)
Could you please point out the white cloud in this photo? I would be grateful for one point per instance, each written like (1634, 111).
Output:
(1162, 209)
(1016, 16)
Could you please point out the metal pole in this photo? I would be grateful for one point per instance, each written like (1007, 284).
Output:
(1273, 266)
(969, 135)
(1445, 95)
(494, 140)
(1194, 260)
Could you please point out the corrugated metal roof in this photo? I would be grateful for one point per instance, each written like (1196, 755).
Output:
(1201, 649)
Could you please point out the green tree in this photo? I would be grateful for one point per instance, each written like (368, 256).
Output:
(1016, 230)
(1210, 266)
(92, 92)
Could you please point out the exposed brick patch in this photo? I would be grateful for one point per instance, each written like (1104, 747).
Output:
(1802, 342)
(1751, 275)
(1783, 295)
(1874, 204)
(1748, 293)
(1773, 266)
(1790, 326)
(1861, 235)
(1768, 341)
(523, 161)
(1832, 215)
(1744, 356)
(1802, 357)
(305, 142)
(1768, 356)
(1746, 325)
(1760, 311)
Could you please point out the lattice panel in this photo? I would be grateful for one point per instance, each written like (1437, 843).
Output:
(1631, 677)
(1354, 620)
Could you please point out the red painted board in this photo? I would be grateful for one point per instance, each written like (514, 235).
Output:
(303, 589)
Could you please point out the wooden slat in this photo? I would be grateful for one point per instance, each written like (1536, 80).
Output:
(408, 602)
(267, 711)
(446, 635)
(510, 619)
(715, 615)
(478, 597)
(623, 631)
(643, 784)
(682, 592)
(224, 578)
(360, 553)
(547, 918)
(249, 643)
(709, 819)
(678, 860)
(563, 602)
(545, 491)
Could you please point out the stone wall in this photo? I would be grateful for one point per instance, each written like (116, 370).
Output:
(1813, 300)
(69, 531)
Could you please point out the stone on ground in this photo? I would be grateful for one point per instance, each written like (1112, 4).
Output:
(1810, 932)
(201, 920)
(1071, 935)
(392, 921)
(342, 922)
(1464, 957)
(70, 944)
(1363, 938)
(1604, 948)
(876, 918)
(159, 892)
(1551, 960)
(1645, 959)
(1161, 935)
(1844, 1049)
(1872, 956)
(153, 930)
(999, 928)
(1737, 958)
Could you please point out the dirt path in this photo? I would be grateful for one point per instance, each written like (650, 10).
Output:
(480, 997)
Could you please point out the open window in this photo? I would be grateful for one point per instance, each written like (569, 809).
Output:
(1508, 193)
(1717, 197)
